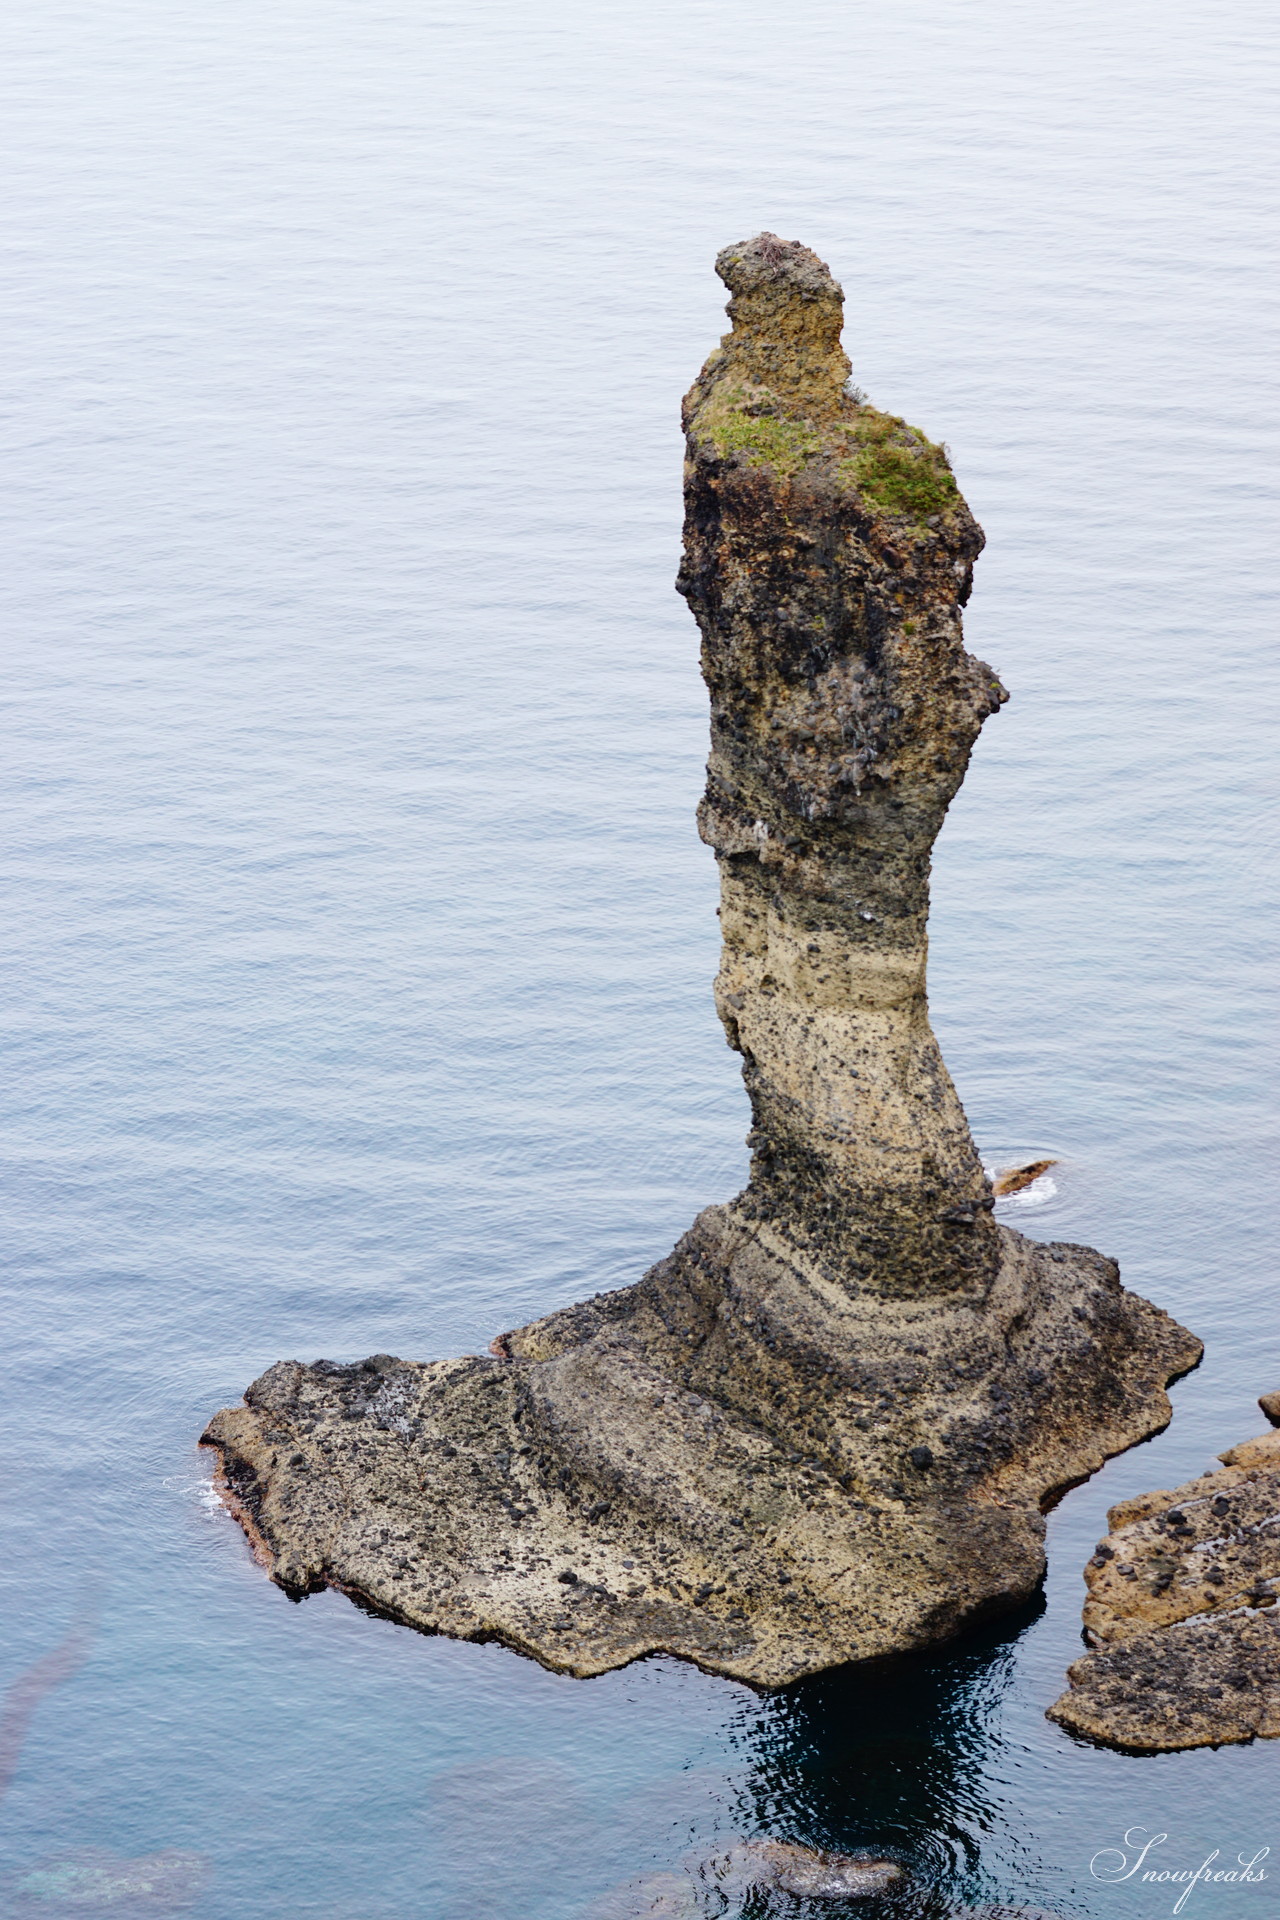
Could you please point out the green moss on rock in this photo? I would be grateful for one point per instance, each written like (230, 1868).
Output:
(766, 438)
(893, 467)
(899, 470)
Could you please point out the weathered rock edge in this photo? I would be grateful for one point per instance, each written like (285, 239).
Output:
(1182, 1614)
(825, 1427)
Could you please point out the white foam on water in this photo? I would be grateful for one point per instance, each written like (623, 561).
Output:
(202, 1493)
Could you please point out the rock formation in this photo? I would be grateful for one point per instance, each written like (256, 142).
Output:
(823, 1428)
(1181, 1612)
(1018, 1179)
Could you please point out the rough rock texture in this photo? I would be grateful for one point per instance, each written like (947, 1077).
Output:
(1182, 1614)
(824, 1428)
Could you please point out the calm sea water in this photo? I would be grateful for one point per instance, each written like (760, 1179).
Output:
(358, 941)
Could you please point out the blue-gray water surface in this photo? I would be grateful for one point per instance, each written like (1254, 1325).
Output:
(358, 942)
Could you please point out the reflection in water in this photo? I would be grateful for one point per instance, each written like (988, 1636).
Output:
(891, 1762)
(895, 1759)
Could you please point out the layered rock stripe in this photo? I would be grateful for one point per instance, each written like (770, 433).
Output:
(825, 1427)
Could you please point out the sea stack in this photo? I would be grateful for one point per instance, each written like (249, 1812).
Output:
(824, 1428)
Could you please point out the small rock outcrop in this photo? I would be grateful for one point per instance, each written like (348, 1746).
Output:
(1182, 1614)
(1018, 1179)
(825, 1427)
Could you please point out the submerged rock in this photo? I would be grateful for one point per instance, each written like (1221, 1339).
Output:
(652, 1896)
(30, 1688)
(824, 1428)
(696, 1892)
(91, 1881)
(1182, 1614)
(782, 1866)
(706, 1880)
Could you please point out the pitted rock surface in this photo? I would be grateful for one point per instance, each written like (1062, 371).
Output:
(1182, 1614)
(825, 1427)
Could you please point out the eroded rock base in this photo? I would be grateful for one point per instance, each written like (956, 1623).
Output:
(735, 1461)
(1182, 1614)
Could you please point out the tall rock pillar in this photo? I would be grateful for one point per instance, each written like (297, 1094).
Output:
(825, 1427)
(827, 556)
